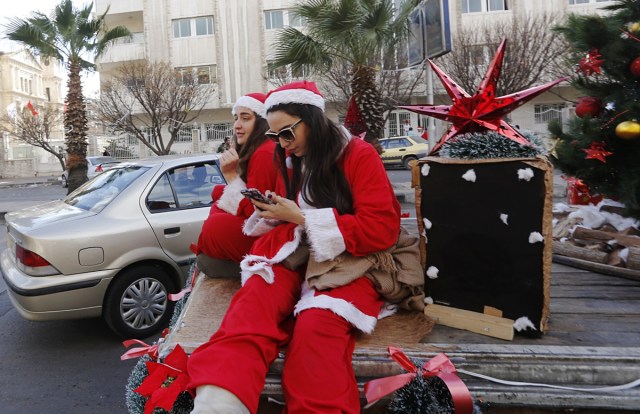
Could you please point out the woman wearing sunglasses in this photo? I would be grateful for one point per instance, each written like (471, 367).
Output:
(335, 197)
(248, 163)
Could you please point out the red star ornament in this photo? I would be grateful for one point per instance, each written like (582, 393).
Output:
(591, 63)
(482, 111)
(597, 152)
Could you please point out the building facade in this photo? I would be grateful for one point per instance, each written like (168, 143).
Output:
(26, 79)
(228, 43)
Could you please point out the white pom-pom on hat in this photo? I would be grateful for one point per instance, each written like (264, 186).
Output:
(253, 101)
(299, 92)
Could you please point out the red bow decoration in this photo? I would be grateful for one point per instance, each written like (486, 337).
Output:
(591, 63)
(152, 350)
(165, 381)
(439, 366)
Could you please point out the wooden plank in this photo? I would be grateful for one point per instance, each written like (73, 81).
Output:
(597, 267)
(591, 292)
(599, 306)
(471, 321)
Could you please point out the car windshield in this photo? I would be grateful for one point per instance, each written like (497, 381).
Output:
(97, 193)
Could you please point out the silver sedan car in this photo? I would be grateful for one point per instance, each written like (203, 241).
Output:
(115, 247)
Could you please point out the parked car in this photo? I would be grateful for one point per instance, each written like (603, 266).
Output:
(95, 165)
(115, 247)
(399, 151)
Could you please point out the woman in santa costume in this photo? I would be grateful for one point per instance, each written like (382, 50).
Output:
(336, 198)
(247, 164)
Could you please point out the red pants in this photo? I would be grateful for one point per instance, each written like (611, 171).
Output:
(222, 237)
(318, 375)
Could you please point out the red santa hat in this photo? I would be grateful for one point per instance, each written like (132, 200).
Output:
(300, 92)
(253, 101)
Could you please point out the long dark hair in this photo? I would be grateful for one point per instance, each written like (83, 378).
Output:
(246, 150)
(322, 180)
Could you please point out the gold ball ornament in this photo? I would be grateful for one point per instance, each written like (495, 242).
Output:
(633, 27)
(628, 130)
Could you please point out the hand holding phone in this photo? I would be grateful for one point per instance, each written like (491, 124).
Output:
(255, 194)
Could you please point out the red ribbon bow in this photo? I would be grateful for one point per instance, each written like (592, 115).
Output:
(152, 350)
(439, 366)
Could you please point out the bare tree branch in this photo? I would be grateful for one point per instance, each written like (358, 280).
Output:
(36, 129)
(535, 53)
(145, 99)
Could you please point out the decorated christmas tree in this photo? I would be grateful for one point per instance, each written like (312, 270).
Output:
(601, 146)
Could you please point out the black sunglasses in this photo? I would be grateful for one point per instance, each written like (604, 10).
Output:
(285, 133)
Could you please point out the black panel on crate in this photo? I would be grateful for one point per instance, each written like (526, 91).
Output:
(484, 236)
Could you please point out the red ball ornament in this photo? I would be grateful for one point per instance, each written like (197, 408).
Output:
(634, 68)
(588, 105)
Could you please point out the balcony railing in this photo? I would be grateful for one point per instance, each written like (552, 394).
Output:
(118, 6)
(125, 49)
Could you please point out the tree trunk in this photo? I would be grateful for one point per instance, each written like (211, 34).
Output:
(365, 91)
(75, 125)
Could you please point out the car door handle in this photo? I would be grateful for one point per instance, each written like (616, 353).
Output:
(402, 149)
(172, 230)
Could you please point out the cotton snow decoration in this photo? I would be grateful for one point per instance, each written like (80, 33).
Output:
(427, 223)
(535, 237)
(504, 218)
(470, 176)
(525, 174)
(425, 169)
(522, 324)
(432, 272)
(428, 300)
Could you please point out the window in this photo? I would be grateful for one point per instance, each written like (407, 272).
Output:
(191, 184)
(218, 132)
(477, 6)
(543, 113)
(286, 73)
(182, 28)
(578, 1)
(132, 139)
(204, 26)
(202, 74)
(273, 19)
(197, 26)
(184, 134)
(296, 21)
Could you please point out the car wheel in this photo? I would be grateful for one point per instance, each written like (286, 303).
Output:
(64, 181)
(406, 162)
(137, 303)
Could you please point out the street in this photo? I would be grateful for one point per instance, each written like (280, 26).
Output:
(69, 366)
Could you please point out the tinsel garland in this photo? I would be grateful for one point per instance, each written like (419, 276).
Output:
(424, 396)
(135, 402)
(491, 145)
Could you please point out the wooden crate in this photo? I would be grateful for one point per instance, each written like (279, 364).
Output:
(486, 228)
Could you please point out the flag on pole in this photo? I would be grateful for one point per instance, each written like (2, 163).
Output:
(32, 109)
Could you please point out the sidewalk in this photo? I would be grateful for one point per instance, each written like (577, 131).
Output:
(27, 181)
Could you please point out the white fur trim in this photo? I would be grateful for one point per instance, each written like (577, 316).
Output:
(261, 265)
(299, 96)
(251, 103)
(231, 197)
(325, 239)
(340, 307)
(257, 226)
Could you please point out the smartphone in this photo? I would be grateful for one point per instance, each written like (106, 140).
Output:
(255, 194)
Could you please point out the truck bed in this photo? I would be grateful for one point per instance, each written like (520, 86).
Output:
(593, 340)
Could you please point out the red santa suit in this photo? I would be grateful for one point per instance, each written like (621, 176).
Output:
(221, 236)
(318, 375)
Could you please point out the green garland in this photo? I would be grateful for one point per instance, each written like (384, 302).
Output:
(490, 144)
(135, 402)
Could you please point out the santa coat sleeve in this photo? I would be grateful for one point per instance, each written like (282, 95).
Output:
(261, 174)
(375, 223)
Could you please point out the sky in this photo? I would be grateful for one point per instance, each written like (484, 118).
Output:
(23, 9)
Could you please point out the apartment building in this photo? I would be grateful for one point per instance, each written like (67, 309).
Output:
(23, 79)
(228, 43)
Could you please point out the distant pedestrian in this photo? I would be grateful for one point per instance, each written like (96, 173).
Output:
(406, 126)
(225, 145)
(106, 153)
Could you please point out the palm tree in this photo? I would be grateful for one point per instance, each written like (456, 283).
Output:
(70, 36)
(361, 33)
